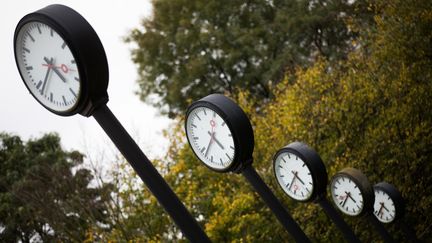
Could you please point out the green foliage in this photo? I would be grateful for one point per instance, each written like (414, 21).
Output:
(371, 112)
(191, 48)
(44, 194)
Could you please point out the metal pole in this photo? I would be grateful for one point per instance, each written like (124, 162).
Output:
(274, 204)
(149, 175)
(347, 232)
(380, 229)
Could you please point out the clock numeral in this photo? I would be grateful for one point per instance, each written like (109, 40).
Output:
(64, 100)
(29, 68)
(205, 113)
(73, 61)
(193, 125)
(76, 79)
(283, 160)
(26, 50)
(231, 147)
(51, 96)
(203, 149)
(39, 29)
(64, 45)
(223, 124)
(51, 32)
(228, 156)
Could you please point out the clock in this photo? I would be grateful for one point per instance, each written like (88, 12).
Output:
(219, 133)
(351, 192)
(61, 60)
(389, 204)
(300, 172)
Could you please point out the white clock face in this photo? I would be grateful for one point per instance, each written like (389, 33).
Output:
(294, 176)
(47, 66)
(384, 208)
(210, 138)
(346, 195)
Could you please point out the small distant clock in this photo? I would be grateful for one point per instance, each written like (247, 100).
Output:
(219, 133)
(389, 204)
(300, 172)
(351, 192)
(61, 60)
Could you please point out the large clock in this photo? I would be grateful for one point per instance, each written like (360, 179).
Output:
(61, 60)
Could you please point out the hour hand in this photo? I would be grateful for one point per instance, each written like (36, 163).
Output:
(214, 138)
(54, 69)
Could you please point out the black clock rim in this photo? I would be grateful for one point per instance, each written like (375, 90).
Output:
(86, 49)
(396, 197)
(364, 186)
(224, 106)
(315, 165)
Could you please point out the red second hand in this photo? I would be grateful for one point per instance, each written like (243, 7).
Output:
(63, 67)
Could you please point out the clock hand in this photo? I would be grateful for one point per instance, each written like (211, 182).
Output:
(346, 198)
(385, 207)
(296, 175)
(208, 147)
(214, 138)
(54, 69)
(46, 77)
(349, 195)
(380, 210)
(292, 182)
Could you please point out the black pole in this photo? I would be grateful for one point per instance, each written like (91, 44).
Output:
(347, 232)
(274, 204)
(385, 235)
(149, 175)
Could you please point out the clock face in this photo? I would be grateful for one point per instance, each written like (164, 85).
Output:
(47, 66)
(293, 176)
(210, 138)
(384, 207)
(347, 195)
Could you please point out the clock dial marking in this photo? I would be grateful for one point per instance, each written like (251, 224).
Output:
(384, 208)
(295, 178)
(31, 37)
(346, 195)
(209, 139)
(47, 72)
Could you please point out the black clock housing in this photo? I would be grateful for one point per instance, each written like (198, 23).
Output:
(87, 50)
(237, 122)
(314, 163)
(364, 186)
(396, 197)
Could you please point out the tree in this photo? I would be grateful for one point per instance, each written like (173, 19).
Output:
(188, 49)
(371, 112)
(44, 193)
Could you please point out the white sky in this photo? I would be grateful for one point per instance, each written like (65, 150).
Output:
(20, 114)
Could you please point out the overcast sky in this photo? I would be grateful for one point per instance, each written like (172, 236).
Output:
(20, 114)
